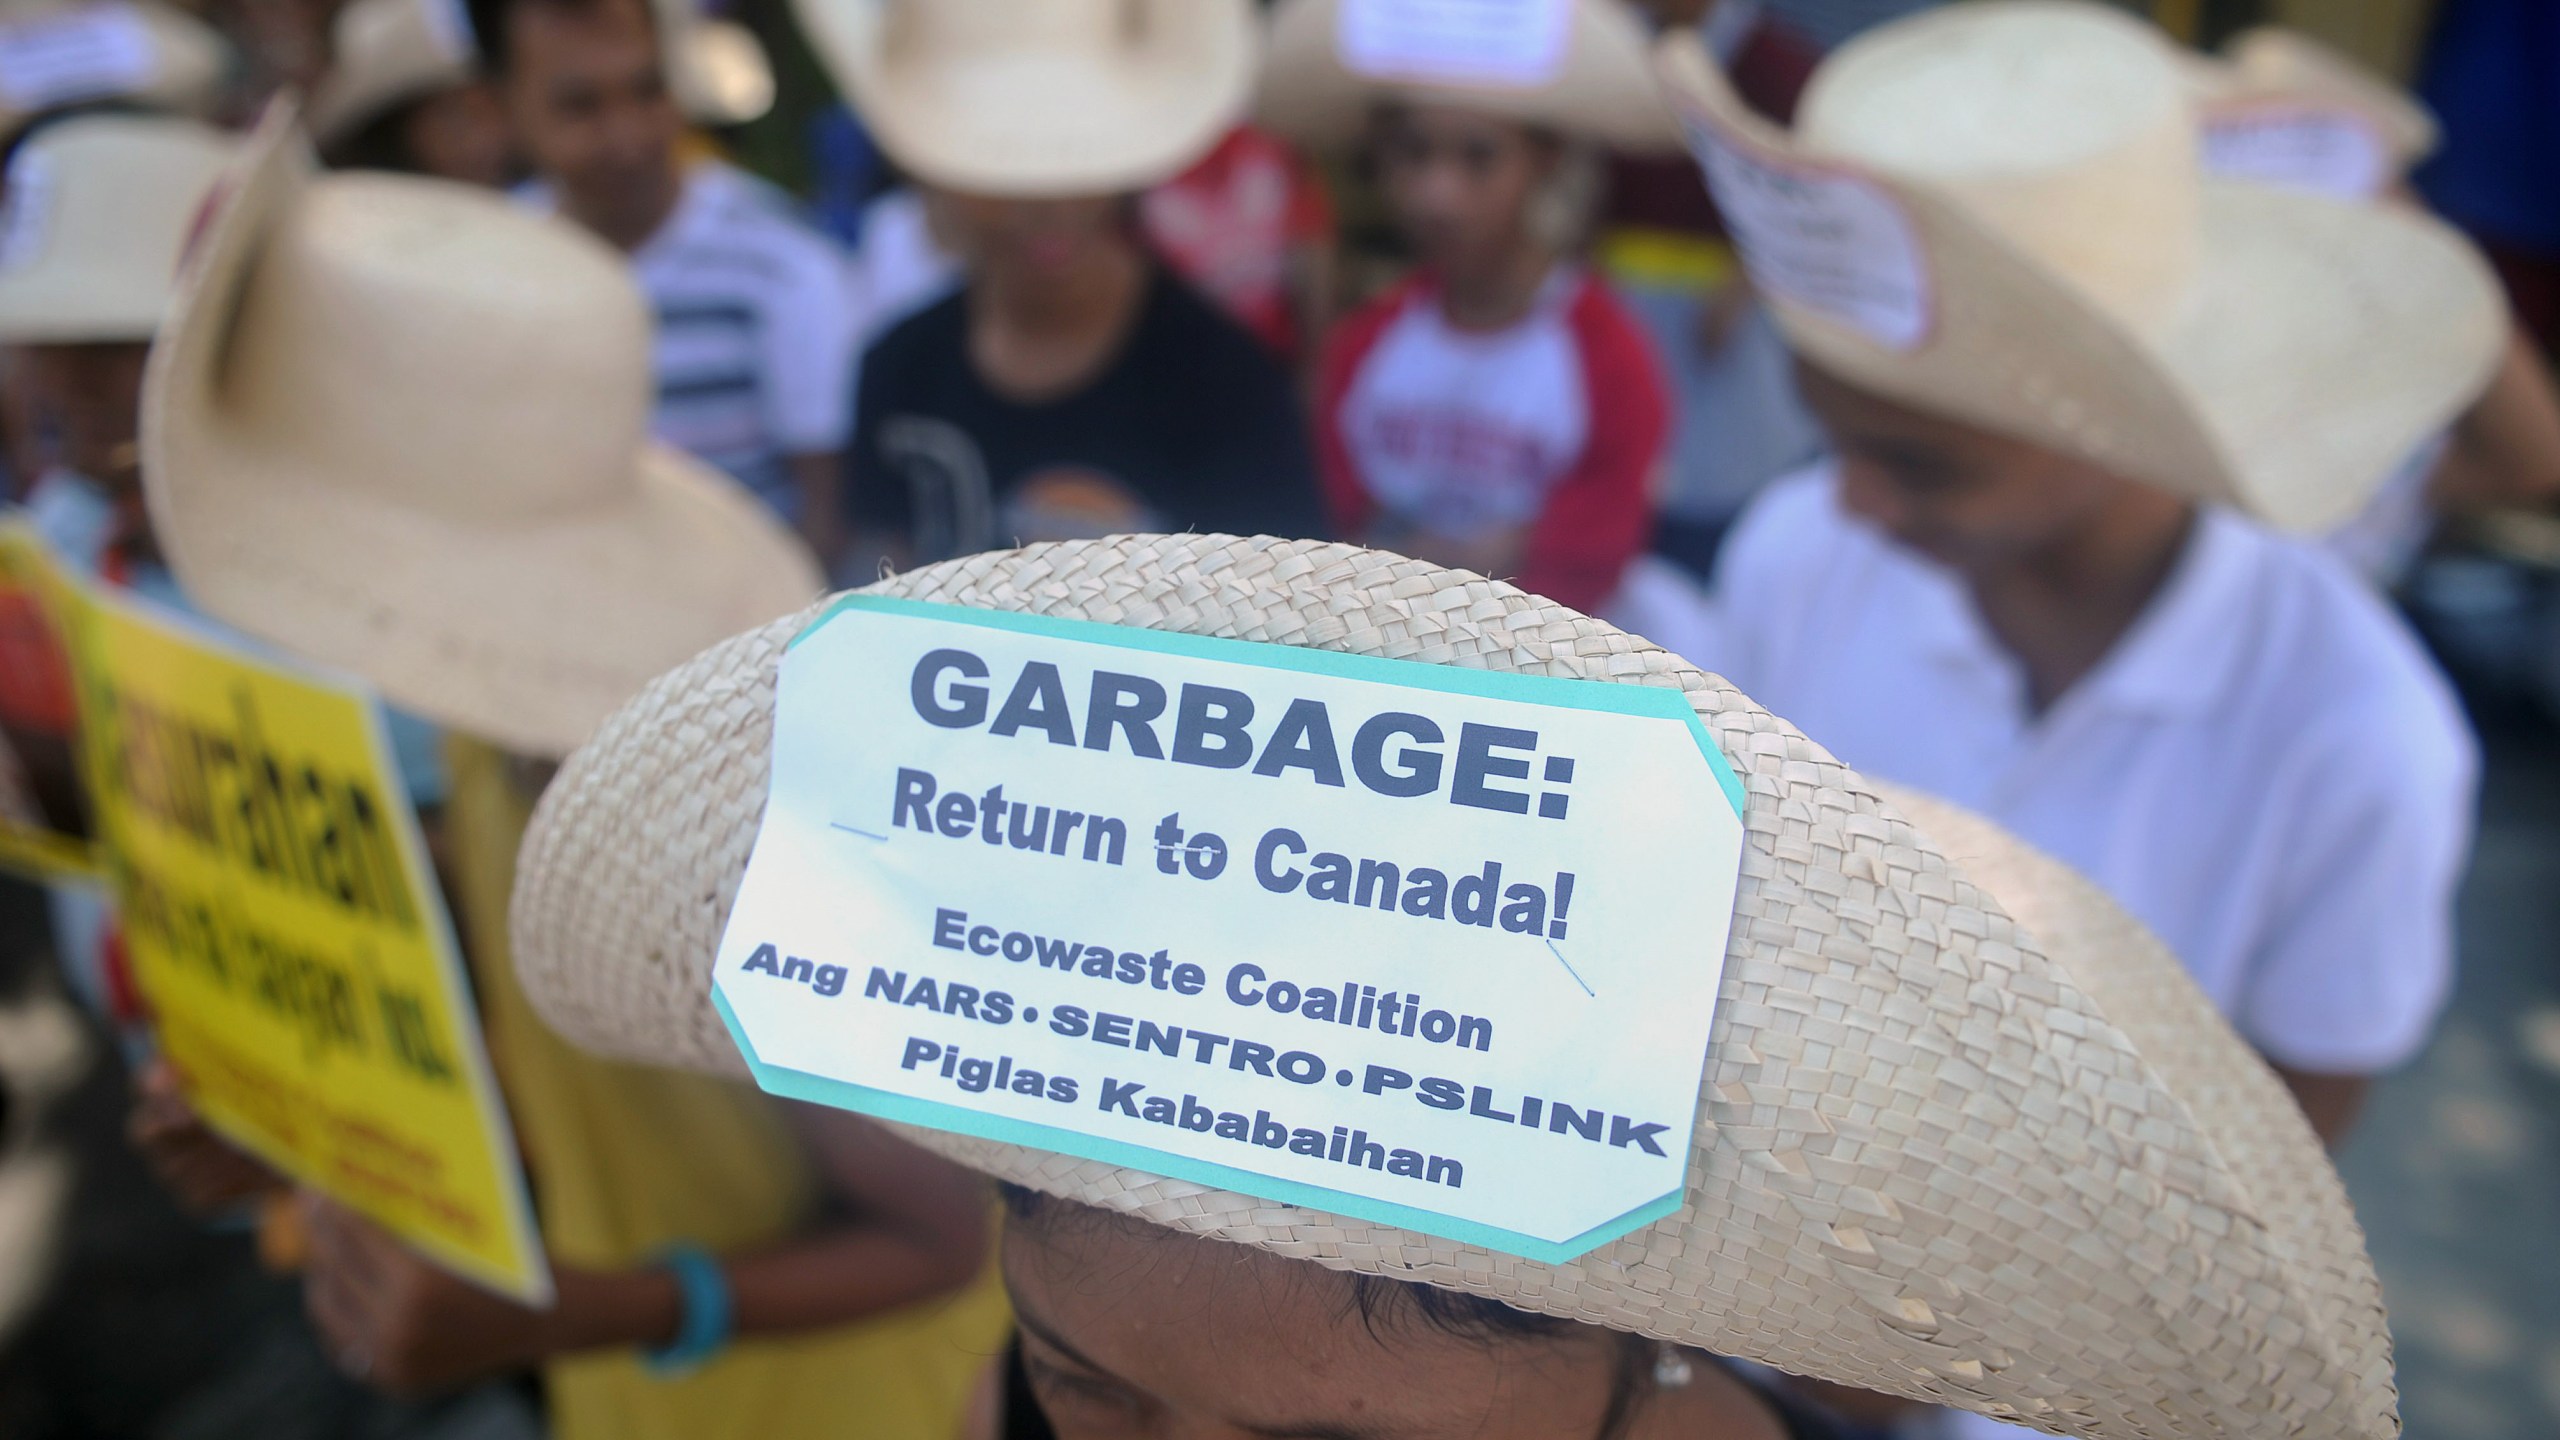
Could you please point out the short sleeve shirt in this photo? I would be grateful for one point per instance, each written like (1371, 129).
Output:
(756, 330)
(2266, 769)
(1555, 423)
(1191, 426)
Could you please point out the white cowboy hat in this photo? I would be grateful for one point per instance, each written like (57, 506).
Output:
(1039, 97)
(399, 426)
(1998, 212)
(383, 54)
(1327, 67)
(96, 211)
(54, 55)
(1966, 1133)
(2279, 107)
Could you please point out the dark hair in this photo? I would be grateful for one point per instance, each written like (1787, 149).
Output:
(490, 21)
(1386, 1305)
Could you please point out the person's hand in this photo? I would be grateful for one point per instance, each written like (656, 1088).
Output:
(206, 1173)
(400, 1324)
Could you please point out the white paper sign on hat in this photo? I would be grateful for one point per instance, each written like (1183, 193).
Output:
(1827, 240)
(85, 54)
(1465, 42)
(2314, 149)
(1401, 941)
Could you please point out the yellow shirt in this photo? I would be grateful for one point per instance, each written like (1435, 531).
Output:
(626, 1160)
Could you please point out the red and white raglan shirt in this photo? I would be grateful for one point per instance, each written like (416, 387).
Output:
(1556, 423)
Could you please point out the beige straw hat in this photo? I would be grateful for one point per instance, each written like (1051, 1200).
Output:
(54, 55)
(717, 69)
(96, 211)
(399, 426)
(383, 54)
(1967, 1133)
(2011, 225)
(2303, 95)
(1601, 88)
(1039, 97)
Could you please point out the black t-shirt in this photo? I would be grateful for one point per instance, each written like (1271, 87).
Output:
(1192, 426)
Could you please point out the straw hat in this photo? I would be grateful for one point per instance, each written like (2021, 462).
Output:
(384, 54)
(54, 55)
(1967, 1133)
(2016, 230)
(2341, 127)
(398, 425)
(96, 211)
(1039, 97)
(1600, 88)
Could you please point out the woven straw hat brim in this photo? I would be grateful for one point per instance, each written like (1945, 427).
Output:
(123, 192)
(527, 633)
(2318, 346)
(1033, 125)
(2020, 1169)
(1605, 93)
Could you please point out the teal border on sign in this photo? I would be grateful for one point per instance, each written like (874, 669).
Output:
(934, 1115)
(1610, 697)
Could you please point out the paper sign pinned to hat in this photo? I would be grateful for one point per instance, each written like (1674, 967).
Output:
(1518, 43)
(81, 54)
(1830, 241)
(1428, 946)
(285, 930)
(2324, 150)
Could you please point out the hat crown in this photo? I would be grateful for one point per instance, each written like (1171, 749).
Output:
(1046, 28)
(441, 348)
(2063, 127)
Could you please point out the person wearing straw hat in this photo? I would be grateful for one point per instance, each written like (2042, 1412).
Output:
(2279, 108)
(2071, 383)
(1964, 1131)
(1073, 385)
(1501, 410)
(756, 321)
(456, 500)
(404, 92)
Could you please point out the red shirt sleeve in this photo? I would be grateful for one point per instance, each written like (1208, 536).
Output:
(1600, 515)
(1347, 503)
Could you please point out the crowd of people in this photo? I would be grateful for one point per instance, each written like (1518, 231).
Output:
(2031, 412)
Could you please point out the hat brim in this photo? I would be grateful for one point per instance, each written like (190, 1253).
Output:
(2318, 344)
(526, 634)
(1605, 91)
(1030, 124)
(1940, 1154)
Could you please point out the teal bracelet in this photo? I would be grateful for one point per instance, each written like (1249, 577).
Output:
(707, 1317)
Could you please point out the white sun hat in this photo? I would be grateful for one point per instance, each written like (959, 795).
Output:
(1039, 97)
(95, 212)
(1328, 66)
(55, 55)
(383, 54)
(1999, 212)
(399, 426)
(1967, 1133)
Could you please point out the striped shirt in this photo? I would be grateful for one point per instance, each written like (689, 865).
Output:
(756, 329)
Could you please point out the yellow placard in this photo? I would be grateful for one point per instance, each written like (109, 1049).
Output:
(35, 699)
(283, 926)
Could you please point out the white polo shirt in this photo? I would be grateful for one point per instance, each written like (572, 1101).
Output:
(2266, 770)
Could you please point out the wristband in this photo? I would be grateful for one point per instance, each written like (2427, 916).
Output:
(707, 1316)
